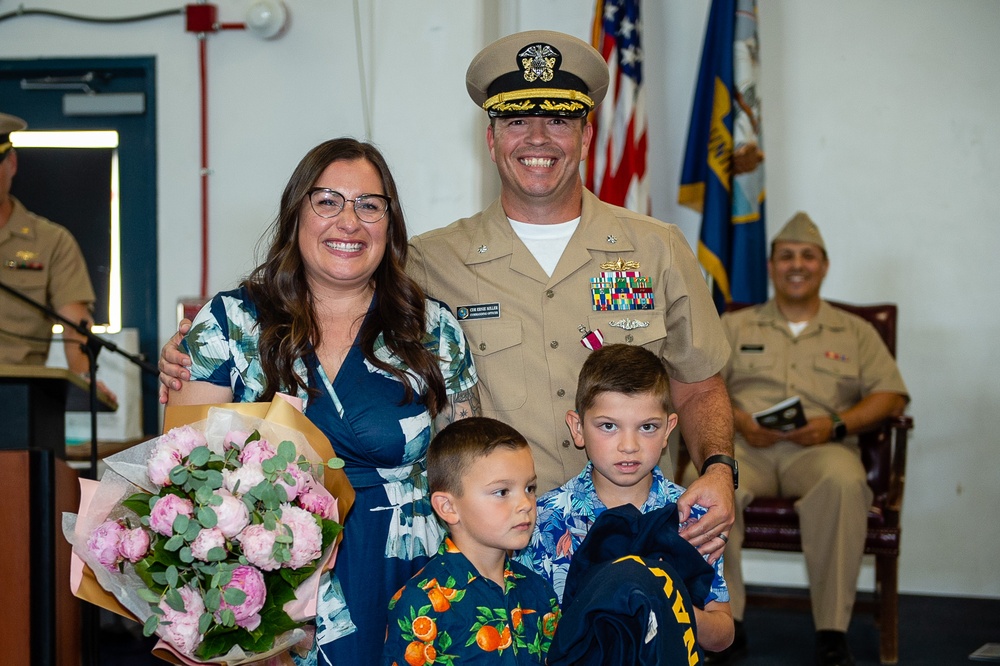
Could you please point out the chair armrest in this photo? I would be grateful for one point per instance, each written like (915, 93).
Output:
(901, 426)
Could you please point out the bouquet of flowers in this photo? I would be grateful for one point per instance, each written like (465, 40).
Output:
(214, 536)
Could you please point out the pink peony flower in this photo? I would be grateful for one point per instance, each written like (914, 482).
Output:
(234, 439)
(184, 440)
(233, 514)
(103, 544)
(318, 500)
(160, 462)
(251, 581)
(307, 537)
(206, 541)
(238, 481)
(301, 478)
(257, 544)
(166, 509)
(180, 628)
(257, 452)
(134, 544)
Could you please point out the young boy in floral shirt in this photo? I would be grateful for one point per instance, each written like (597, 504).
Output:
(471, 604)
(622, 419)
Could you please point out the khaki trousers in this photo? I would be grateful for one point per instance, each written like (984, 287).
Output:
(833, 504)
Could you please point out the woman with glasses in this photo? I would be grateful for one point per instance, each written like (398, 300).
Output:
(331, 317)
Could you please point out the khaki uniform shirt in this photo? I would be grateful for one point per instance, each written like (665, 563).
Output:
(837, 360)
(529, 355)
(43, 261)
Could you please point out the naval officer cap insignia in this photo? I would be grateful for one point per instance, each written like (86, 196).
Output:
(8, 124)
(538, 73)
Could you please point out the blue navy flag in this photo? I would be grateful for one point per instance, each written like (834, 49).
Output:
(723, 172)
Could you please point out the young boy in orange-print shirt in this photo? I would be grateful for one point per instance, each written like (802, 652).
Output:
(472, 604)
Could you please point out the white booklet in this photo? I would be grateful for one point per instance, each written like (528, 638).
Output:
(786, 415)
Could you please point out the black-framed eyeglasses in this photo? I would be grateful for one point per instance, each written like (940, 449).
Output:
(329, 203)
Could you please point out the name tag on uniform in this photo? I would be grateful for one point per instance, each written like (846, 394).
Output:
(479, 311)
(751, 349)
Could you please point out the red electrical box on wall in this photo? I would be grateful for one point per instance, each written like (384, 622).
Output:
(201, 18)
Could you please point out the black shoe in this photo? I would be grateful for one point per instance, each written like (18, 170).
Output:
(737, 649)
(832, 650)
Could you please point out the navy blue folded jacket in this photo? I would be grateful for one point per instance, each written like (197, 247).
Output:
(630, 593)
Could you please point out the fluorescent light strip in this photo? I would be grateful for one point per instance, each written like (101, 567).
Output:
(65, 139)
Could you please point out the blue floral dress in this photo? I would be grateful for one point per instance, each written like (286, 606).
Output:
(391, 531)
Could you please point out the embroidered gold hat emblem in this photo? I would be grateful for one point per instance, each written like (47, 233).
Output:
(538, 62)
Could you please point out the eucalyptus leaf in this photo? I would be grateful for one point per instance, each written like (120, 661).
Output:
(178, 475)
(204, 623)
(181, 523)
(149, 627)
(174, 600)
(287, 451)
(234, 596)
(174, 543)
(172, 576)
(199, 456)
(207, 517)
(216, 554)
(212, 599)
(335, 463)
(213, 479)
(148, 595)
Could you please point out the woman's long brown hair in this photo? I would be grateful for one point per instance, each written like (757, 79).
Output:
(285, 314)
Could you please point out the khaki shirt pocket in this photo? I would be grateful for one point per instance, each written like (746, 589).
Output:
(497, 349)
(842, 380)
(32, 284)
(751, 362)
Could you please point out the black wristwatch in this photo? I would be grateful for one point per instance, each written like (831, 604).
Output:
(725, 460)
(839, 431)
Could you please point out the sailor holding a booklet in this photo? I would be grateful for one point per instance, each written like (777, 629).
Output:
(804, 377)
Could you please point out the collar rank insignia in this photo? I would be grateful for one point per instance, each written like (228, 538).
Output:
(621, 287)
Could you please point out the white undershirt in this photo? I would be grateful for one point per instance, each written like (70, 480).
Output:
(546, 242)
(797, 327)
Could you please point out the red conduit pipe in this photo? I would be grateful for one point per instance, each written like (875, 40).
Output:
(203, 87)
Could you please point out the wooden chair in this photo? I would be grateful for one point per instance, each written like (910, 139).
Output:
(772, 523)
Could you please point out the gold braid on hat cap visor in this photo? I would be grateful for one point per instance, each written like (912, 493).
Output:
(4, 147)
(501, 100)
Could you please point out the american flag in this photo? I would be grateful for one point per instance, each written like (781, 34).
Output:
(616, 165)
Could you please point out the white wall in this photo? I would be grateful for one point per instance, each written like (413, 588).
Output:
(879, 120)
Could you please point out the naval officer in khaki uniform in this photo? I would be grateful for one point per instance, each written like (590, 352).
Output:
(796, 344)
(41, 260)
(539, 270)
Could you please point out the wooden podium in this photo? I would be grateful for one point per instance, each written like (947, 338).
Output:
(40, 615)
